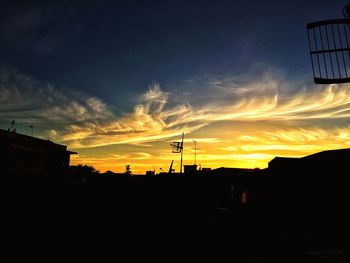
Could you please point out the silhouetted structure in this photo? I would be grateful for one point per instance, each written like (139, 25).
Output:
(150, 173)
(128, 171)
(178, 147)
(25, 158)
(81, 173)
(190, 169)
(329, 44)
(296, 204)
(312, 178)
(311, 192)
(288, 187)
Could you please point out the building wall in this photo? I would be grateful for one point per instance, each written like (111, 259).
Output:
(26, 159)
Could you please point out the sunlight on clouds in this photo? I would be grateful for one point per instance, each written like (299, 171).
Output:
(152, 120)
(297, 121)
(141, 156)
(276, 147)
(200, 140)
(246, 138)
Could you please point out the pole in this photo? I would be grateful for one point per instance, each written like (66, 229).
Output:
(181, 162)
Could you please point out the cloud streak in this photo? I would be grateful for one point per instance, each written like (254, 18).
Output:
(83, 121)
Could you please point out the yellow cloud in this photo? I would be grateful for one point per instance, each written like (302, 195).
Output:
(225, 120)
(253, 147)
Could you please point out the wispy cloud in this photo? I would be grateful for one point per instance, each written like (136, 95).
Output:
(30, 101)
(299, 120)
(299, 141)
(200, 140)
(83, 121)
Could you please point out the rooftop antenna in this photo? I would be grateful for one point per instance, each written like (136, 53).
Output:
(171, 167)
(178, 148)
(329, 45)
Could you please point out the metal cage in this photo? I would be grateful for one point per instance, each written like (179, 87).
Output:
(330, 51)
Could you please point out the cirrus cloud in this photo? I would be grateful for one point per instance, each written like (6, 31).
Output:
(81, 121)
(299, 119)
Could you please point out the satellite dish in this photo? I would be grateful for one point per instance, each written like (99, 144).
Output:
(329, 45)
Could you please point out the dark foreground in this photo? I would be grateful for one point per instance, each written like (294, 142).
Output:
(182, 219)
(205, 224)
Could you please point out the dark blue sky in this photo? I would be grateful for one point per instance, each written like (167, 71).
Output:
(117, 81)
(115, 49)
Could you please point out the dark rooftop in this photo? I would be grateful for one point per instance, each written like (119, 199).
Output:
(21, 140)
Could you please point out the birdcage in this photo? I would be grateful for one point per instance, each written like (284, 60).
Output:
(329, 42)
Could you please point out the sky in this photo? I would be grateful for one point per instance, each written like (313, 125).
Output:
(118, 81)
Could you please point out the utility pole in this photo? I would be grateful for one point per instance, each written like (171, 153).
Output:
(182, 151)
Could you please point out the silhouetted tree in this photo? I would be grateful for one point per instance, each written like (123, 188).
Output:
(80, 173)
(108, 173)
(128, 170)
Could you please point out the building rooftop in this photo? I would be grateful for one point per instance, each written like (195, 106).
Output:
(18, 140)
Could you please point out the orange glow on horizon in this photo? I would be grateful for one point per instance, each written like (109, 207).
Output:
(254, 149)
(246, 133)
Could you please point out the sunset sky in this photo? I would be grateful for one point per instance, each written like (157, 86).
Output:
(118, 81)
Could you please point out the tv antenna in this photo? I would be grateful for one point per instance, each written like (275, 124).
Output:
(329, 45)
(178, 147)
(171, 167)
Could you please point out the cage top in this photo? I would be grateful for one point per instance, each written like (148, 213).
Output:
(327, 22)
(346, 11)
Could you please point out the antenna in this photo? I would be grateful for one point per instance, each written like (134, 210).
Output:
(171, 167)
(178, 148)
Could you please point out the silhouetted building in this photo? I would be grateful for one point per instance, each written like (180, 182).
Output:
(232, 172)
(190, 169)
(25, 158)
(150, 173)
(238, 183)
(312, 185)
(326, 167)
